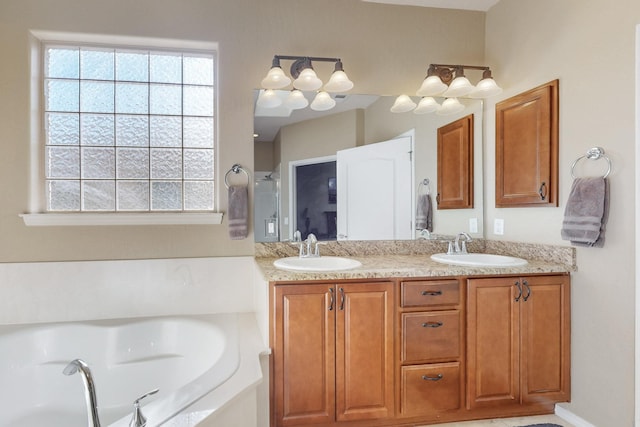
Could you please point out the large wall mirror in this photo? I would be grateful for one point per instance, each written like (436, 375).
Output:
(304, 160)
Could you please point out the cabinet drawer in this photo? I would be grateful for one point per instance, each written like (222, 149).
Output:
(430, 336)
(430, 293)
(428, 389)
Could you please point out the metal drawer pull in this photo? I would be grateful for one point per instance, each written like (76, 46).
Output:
(331, 300)
(341, 299)
(432, 324)
(436, 378)
(542, 191)
(431, 293)
(517, 284)
(526, 285)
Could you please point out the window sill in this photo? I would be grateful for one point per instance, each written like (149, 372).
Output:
(83, 219)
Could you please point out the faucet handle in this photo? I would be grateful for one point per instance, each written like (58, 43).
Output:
(139, 420)
(450, 249)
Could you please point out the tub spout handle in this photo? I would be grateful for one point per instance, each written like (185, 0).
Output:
(139, 420)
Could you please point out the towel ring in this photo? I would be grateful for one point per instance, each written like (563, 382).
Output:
(235, 169)
(594, 153)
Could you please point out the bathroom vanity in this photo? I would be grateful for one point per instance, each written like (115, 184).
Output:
(404, 340)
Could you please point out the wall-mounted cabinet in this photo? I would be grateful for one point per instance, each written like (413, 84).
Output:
(455, 165)
(527, 148)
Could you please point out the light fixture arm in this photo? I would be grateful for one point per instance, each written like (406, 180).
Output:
(446, 71)
(302, 62)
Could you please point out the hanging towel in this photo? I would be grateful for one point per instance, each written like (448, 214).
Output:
(238, 212)
(586, 213)
(424, 213)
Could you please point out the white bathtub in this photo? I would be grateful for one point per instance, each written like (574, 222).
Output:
(208, 359)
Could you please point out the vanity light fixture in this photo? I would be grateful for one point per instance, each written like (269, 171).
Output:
(296, 100)
(323, 102)
(450, 82)
(305, 79)
(269, 99)
(403, 104)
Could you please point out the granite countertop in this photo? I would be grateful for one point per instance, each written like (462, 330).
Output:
(406, 265)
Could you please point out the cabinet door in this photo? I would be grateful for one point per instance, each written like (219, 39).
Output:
(527, 148)
(364, 351)
(519, 340)
(493, 326)
(303, 354)
(455, 165)
(546, 339)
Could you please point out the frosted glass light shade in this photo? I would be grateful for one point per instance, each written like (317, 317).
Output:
(296, 100)
(403, 104)
(275, 79)
(450, 106)
(322, 102)
(269, 99)
(339, 82)
(486, 88)
(426, 105)
(307, 80)
(431, 86)
(460, 86)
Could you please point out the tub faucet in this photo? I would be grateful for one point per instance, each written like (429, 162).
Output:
(78, 365)
(139, 420)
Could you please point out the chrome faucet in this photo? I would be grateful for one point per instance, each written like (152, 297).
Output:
(139, 420)
(311, 240)
(310, 247)
(78, 365)
(461, 249)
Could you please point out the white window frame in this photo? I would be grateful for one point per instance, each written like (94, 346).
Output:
(37, 214)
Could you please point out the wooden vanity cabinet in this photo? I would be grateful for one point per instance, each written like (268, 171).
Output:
(518, 339)
(418, 351)
(332, 353)
(431, 330)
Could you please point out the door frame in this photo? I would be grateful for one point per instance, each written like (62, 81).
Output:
(293, 202)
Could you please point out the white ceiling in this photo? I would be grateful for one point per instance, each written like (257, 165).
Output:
(482, 5)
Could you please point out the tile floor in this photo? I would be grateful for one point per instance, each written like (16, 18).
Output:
(509, 422)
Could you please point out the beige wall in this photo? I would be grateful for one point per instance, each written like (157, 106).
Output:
(263, 156)
(590, 46)
(385, 49)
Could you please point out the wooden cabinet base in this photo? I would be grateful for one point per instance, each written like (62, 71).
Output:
(400, 353)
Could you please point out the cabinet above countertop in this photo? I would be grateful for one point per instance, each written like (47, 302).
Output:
(412, 259)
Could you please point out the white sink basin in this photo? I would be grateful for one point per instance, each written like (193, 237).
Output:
(479, 260)
(322, 263)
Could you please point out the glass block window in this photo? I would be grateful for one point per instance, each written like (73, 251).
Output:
(128, 130)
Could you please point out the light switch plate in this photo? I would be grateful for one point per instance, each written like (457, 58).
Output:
(498, 226)
(473, 225)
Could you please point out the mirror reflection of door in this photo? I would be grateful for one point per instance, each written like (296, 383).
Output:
(375, 191)
(315, 203)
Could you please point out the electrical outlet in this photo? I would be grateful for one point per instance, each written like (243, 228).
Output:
(498, 226)
(473, 225)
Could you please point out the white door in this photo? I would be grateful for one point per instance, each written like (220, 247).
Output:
(368, 179)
